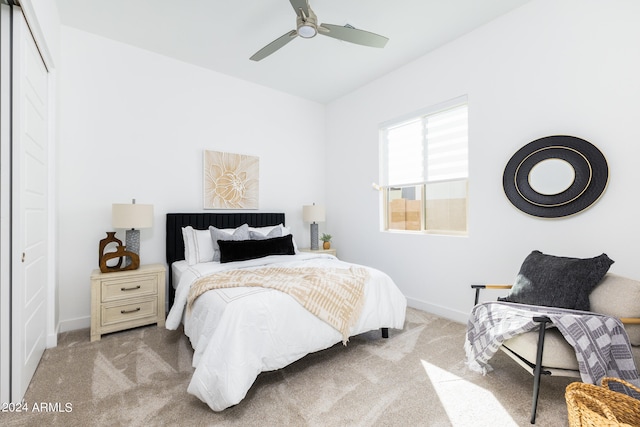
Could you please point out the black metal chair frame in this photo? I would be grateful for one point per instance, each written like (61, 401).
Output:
(538, 369)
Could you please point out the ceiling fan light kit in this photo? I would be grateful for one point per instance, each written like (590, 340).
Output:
(307, 27)
(307, 24)
(307, 31)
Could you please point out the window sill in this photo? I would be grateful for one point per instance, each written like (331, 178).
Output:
(429, 233)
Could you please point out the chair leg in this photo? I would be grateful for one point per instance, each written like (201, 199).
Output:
(385, 332)
(538, 368)
(536, 393)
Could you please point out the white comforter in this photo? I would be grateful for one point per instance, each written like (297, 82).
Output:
(237, 333)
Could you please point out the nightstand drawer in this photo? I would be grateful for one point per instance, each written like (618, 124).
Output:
(127, 299)
(112, 314)
(113, 290)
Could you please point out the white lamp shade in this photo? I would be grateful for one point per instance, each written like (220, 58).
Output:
(131, 216)
(313, 213)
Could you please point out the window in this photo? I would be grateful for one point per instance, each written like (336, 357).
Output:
(425, 170)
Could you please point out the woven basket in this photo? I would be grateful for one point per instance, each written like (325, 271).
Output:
(590, 405)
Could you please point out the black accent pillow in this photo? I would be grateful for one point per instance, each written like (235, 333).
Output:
(555, 281)
(242, 250)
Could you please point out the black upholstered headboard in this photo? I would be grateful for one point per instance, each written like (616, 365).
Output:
(202, 221)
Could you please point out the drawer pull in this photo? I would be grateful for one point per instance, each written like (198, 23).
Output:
(130, 289)
(129, 311)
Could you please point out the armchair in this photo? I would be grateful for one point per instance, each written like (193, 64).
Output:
(547, 352)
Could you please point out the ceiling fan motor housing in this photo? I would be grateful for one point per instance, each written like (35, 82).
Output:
(307, 26)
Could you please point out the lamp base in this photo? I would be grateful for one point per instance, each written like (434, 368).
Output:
(314, 236)
(132, 243)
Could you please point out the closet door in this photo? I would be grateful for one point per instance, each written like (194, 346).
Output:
(29, 207)
(5, 206)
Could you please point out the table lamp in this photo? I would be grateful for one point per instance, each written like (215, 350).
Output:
(132, 217)
(313, 214)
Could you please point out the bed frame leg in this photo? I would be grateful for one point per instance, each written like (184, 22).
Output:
(385, 332)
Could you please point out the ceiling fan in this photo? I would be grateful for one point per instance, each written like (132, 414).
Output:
(307, 27)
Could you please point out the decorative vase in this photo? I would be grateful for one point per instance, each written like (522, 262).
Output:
(132, 260)
(120, 253)
(111, 238)
(326, 245)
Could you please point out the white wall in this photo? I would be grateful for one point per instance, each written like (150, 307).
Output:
(549, 67)
(134, 124)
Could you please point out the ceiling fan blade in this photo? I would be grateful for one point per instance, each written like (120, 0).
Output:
(274, 45)
(353, 35)
(300, 4)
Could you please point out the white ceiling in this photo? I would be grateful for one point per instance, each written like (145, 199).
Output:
(222, 35)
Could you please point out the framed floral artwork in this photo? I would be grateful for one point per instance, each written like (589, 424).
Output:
(230, 181)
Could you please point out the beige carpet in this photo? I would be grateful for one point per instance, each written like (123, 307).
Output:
(417, 377)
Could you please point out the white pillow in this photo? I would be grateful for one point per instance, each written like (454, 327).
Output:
(286, 231)
(215, 234)
(265, 231)
(198, 246)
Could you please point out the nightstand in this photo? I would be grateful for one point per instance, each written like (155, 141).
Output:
(127, 299)
(319, 251)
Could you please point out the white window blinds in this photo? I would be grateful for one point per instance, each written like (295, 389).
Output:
(447, 147)
(429, 148)
(405, 153)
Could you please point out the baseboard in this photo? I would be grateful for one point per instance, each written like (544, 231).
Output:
(438, 310)
(52, 339)
(74, 324)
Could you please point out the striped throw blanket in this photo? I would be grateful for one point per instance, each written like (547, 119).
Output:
(601, 343)
(335, 295)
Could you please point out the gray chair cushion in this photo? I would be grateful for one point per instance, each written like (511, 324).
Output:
(557, 351)
(618, 296)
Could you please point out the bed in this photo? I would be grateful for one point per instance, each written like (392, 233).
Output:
(239, 327)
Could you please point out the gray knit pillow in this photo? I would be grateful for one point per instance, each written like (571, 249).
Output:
(240, 233)
(256, 235)
(558, 281)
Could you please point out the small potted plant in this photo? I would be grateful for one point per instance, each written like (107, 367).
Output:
(326, 239)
